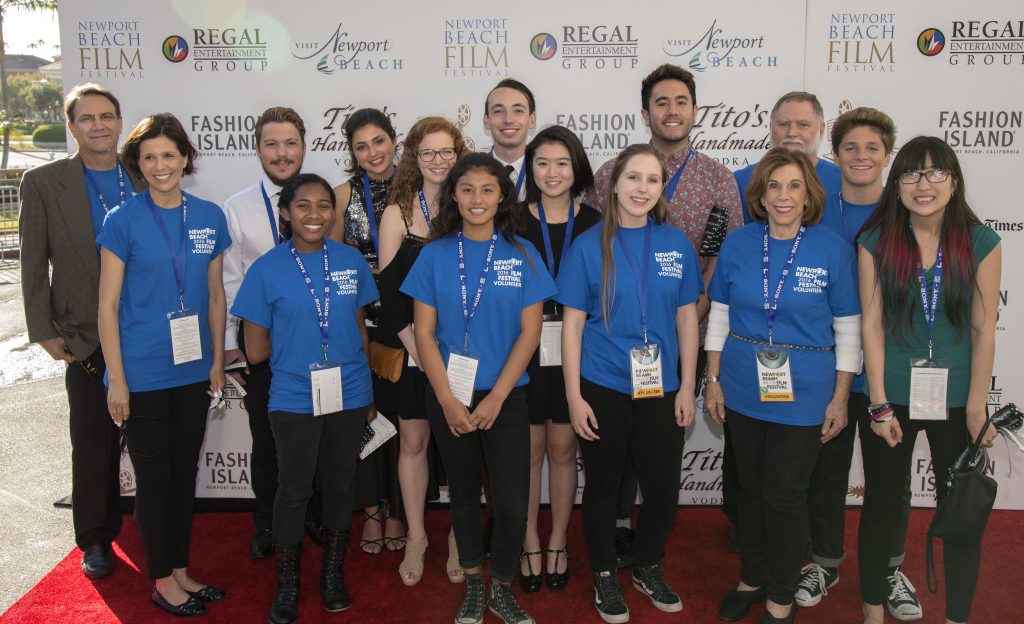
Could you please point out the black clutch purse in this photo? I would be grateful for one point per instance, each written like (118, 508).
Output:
(961, 517)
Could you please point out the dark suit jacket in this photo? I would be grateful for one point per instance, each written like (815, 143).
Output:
(56, 229)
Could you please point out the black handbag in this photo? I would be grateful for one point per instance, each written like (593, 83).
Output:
(961, 517)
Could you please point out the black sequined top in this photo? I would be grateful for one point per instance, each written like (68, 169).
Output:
(357, 224)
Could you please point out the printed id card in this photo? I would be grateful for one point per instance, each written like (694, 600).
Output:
(774, 378)
(551, 343)
(186, 345)
(928, 381)
(325, 381)
(462, 367)
(645, 371)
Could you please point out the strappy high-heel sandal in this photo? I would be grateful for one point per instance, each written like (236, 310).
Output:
(558, 580)
(531, 581)
(411, 568)
(373, 546)
(453, 568)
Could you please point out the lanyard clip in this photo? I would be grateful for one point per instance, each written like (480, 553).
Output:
(181, 302)
(929, 348)
(770, 343)
(644, 329)
(324, 347)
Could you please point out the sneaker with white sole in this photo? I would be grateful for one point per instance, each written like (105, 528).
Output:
(815, 582)
(471, 611)
(651, 583)
(608, 598)
(902, 602)
(502, 603)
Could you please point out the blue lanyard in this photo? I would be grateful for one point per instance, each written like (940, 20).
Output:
(270, 214)
(670, 188)
(425, 208)
(550, 257)
(930, 311)
(642, 277)
(371, 215)
(771, 309)
(91, 181)
(323, 312)
(467, 312)
(177, 259)
(846, 224)
(520, 179)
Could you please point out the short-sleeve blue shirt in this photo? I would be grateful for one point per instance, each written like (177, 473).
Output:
(820, 286)
(149, 290)
(274, 295)
(675, 281)
(517, 279)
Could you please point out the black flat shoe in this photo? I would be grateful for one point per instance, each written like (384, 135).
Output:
(208, 594)
(262, 544)
(558, 580)
(98, 561)
(529, 582)
(190, 608)
(768, 618)
(736, 604)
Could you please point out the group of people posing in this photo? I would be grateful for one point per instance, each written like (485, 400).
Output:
(514, 305)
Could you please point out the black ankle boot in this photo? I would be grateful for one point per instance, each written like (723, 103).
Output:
(332, 578)
(285, 607)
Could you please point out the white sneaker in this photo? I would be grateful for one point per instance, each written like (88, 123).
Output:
(814, 584)
(902, 602)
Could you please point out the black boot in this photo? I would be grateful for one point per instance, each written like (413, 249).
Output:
(332, 578)
(285, 607)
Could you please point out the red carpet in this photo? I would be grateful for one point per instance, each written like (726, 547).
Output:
(698, 567)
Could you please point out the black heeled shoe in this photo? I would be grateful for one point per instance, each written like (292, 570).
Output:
(529, 582)
(558, 580)
(737, 603)
(208, 594)
(190, 608)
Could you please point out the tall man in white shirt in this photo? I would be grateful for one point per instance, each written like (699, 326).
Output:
(253, 222)
(510, 112)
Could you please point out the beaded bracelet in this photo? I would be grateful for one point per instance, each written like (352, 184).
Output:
(880, 412)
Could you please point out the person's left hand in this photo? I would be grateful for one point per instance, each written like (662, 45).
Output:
(486, 412)
(685, 408)
(835, 420)
(976, 418)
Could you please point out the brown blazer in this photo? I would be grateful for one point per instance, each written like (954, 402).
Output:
(56, 229)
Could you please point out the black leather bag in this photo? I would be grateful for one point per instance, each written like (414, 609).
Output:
(961, 518)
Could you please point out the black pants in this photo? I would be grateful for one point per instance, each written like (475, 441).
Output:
(322, 447)
(885, 507)
(506, 452)
(774, 464)
(264, 452)
(165, 433)
(826, 497)
(626, 504)
(645, 430)
(95, 456)
(730, 481)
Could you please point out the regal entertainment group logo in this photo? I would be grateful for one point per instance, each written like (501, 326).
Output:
(974, 43)
(717, 48)
(476, 47)
(861, 42)
(589, 47)
(109, 49)
(219, 49)
(343, 52)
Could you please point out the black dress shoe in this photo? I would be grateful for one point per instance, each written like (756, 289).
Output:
(262, 544)
(530, 582)
(190, 608)
(768, 618)
(736, 604)
(558, 580)
(98, 561)
(208, 594)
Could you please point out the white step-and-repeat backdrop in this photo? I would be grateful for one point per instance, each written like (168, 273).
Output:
(942, 68)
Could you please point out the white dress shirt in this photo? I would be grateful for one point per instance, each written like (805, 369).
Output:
(251, 237)
(517, 167)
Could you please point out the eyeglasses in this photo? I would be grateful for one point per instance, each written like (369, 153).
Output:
(932, 175)
(427, 155)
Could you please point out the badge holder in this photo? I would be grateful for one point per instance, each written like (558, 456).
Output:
(551, 340)
(325, 381)
(186, 345)
(462, 367)
(774, 378)
(928, 384)
(645, 371)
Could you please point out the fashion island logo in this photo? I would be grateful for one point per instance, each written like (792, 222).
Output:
(109, 49)
(343, 52)
(330, 137)
(988, 132)
(861, 42)
(227, 471)
(225, 135)
(974, 43)
(716, 48)
(476, 47)
(603, 134)
(590, 47)
(219, 49)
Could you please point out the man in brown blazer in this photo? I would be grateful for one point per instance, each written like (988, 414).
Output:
(62, 208)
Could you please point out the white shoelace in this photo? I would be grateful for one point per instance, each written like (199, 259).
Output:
(817, 576)
(902, 590)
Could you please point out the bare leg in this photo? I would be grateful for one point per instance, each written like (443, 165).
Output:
(412, 473)
(561, 448)
(531, 542)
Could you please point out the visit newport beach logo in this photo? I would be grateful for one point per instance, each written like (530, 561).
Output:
(543, 46)
(931, 41)
(717, 48)
(175, 49)
(341, 51)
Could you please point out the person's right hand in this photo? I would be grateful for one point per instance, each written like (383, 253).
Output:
(584, 423)
(230, 357)
(889, 431)
(57, 349)
(117, 401)
(714, 402)
(457, 416)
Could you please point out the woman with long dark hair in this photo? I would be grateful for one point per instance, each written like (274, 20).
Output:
(929, 284)
(431, 149)
(479, 293)
(630, 290)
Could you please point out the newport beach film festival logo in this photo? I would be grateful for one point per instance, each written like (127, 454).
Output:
(109, 49)
(718, 48)
(861, 42)
(589, 47)
(342, 52)
(476, 47)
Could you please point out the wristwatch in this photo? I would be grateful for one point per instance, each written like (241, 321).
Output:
(712, 379)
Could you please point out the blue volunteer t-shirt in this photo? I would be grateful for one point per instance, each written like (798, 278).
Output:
(819, 287)
(517, 279)
(828, 174)
(149, 290)
(275, 296)
(106, 183)
(675, 281)
(846, 219)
